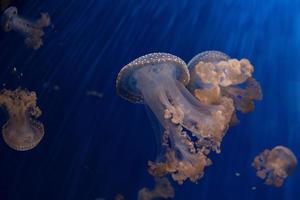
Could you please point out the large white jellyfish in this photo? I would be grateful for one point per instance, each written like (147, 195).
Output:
(191, 128)
(32, 31)
(215, 76)
(275, 165)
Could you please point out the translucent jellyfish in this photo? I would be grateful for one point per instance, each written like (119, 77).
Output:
(215, 76)
(191, 128)
(275, 165)
(32, 31)
(21, 132)
(163, 190)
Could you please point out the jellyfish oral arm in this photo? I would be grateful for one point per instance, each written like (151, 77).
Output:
(176, 109)
(170, 101)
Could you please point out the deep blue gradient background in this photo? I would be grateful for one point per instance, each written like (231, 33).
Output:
(96, 148)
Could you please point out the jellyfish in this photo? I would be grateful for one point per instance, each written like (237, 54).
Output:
(21, 132)
(32, 31)
(275, 165)
(163, 190)
(191, 128)
(214, 76)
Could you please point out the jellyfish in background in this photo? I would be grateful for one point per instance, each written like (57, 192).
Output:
(21, 132)
(163, 189)
(214, 76)
(191, 128)
(275, 165)
(32, 31)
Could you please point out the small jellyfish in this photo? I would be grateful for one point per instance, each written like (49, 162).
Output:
(215, 76)
(32, 31)
(163, 190)
(275, 165)
(21, 132)
(191, 129)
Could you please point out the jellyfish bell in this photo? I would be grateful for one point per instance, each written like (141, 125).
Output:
(158, 80)
(207, 57)
(216, 68)
(23, 138)
(284, 158)
(215, 75)
(275, 165)
(127, 80)
(21, 132)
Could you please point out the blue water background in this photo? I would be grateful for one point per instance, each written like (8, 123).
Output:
(98, 147)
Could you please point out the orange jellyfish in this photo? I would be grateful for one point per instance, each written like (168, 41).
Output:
(214, 75)
(21, 132)
(163, 190)
(191, 128)
(275, 165)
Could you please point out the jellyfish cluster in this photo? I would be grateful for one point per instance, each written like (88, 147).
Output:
(195, 104)
(22, 131)
(31, 30)
(162, 190)
(275, 165)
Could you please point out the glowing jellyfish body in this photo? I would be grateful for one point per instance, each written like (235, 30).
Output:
(158, 81)
(21, 132)
(32, 31)
(215, 76)
(163, 190)
(275, 165)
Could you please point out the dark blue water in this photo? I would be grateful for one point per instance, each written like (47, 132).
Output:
(98, 147)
